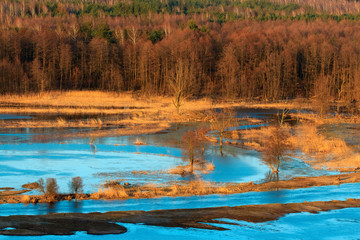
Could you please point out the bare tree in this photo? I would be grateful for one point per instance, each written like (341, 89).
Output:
(275, 145)
(221, 124)
(41, 185)
(76, 185)
(134, 34)
(191, 147)
(52, 187)
(202, 139)
(178, 84)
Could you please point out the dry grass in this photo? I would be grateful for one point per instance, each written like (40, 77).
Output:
(311, 142)
(256, 137)
(330, 153)
(114, 192)
(93, 102)
(184, 170)
(320, 151)
(59, 123)
(138, 142)
(328, 119)
(25, 199)
(198, 187)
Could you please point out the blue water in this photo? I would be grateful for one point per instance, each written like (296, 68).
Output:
(13, 116)
(335, 224)
(325, 193)
(24, 159)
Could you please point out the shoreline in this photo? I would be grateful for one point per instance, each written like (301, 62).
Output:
(193, 188)
(201, 218)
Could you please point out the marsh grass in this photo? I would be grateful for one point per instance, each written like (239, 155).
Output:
(196, 187)
(92, 102)
(113, 192)
(318, 150)
(183, 170)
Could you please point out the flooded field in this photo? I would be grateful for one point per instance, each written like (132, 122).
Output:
(28, 154)
(116, 158)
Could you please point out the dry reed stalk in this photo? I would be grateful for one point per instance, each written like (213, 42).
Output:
(114, 192)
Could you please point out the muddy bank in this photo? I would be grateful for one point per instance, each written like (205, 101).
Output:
(190, 189)
(104, 223)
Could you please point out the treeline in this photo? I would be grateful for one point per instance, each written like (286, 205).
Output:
(159, 56)
(212, 10)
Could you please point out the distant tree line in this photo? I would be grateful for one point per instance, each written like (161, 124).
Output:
(164, 54)
(212, 10)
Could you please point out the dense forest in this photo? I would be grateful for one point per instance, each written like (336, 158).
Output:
(223, 48)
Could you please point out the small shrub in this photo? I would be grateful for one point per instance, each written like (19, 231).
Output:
(52, 187)
(76, 185)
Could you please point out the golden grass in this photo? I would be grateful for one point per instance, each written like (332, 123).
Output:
(198, 187)
(256, 137)
(328, 119)
(185, 169)
(113, 192)
(25, 199)
(330, 153)
(311, 142)
(138, 142)
(320, 151)
(92, 102)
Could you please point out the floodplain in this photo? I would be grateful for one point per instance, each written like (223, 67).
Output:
(135, 155)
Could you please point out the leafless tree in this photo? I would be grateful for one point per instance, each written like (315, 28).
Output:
(52, 187)
(191, 147)
(221, 123)
(41, 185)
(275, 146)
(76, 185)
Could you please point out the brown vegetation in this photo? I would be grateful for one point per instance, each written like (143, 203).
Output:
(269, 60)
(76, 185)
(33, 185)
(275, 146)
(199, 187)
(320, 151)
(221, 122)
(138, 142)
(330, 153)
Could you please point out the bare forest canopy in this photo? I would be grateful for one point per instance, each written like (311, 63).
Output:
(273, 49)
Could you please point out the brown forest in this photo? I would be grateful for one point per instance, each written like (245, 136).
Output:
(152, 53)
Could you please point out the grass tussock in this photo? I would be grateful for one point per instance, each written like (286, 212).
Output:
(114, 192)
(25, 199)
(138, 142)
